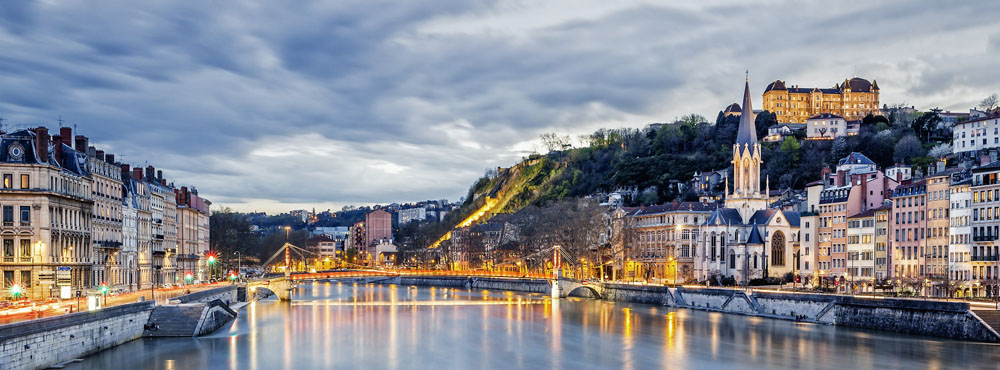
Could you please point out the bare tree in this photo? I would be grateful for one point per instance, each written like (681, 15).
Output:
(989, 103)
(553, 141)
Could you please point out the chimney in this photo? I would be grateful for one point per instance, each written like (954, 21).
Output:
(57, 151)
(150, 173)
(99, 155)
(92, 151)
(67, 135)
(137, 174)
(163, 182)
(110, 158)
(42, 144)
(159, 175)
(81, 143)
(126, 169)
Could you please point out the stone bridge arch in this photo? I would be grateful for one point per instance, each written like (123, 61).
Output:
(584, 291)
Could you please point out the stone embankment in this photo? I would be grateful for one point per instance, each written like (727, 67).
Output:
(909, 316)
(41, 343)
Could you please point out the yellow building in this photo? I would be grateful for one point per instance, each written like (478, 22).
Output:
(852, 99)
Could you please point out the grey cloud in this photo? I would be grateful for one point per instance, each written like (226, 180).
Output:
(361, 102)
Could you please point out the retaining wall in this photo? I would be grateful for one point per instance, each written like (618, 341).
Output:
(226, 294)
(49, 341)
(932, 318)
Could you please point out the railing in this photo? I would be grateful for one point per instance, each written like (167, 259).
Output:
(984, 258)
(370, 273)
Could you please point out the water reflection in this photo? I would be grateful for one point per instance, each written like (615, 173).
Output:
(346, 325)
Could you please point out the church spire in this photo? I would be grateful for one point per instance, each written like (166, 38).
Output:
(747, 133)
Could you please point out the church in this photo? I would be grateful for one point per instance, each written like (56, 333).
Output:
(746, 239)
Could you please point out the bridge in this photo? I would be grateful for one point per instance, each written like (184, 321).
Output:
(282, 286)
(558, 286)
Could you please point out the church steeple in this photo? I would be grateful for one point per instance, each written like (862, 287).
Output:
(747, 196)
(747, 134)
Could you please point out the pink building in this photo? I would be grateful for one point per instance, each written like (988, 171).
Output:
(378, 226)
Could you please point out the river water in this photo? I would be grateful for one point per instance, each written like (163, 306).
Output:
(347, 326)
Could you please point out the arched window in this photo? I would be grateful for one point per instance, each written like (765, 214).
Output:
(732, 259)
(778, 249)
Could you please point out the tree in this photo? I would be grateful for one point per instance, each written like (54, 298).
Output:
(763, 121)
(940, 151)
(554, 142)
(989, 103)
(926, 123)
(908, 148)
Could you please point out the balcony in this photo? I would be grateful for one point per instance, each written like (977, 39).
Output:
(984, 258)
(984, 238)
(109, 244)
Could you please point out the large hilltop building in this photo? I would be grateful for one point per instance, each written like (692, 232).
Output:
(852, 99)
(745, 239)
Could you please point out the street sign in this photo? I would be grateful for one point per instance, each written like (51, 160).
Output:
(47, 277)
(64, 276)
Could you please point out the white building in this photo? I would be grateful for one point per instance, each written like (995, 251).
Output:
(960, 237)
(971, 136)
(826, 126)
(861, 248)
(412, 214)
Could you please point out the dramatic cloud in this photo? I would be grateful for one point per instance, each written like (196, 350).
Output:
(274, 106)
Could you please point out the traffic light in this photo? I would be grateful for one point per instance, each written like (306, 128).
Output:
(188, 277)
(15, 290)
(232, 276)
(211, 259)
(104, 288)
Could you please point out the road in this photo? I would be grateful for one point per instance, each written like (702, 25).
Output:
(41, 309)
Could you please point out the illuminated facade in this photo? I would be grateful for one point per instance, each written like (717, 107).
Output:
(852, 99)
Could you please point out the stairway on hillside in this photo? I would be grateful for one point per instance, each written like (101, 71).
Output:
(990, 316)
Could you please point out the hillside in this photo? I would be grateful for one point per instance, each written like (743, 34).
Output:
(651, 162)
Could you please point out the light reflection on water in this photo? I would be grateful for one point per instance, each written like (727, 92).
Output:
(359, 326)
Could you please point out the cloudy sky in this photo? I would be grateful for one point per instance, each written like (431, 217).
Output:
(268, 106)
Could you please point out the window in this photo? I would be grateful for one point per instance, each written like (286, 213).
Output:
(25, 248)
(25, 278)
(8, 215)
(25, 215)
(8, 247)
(25, 184)
(8, 181)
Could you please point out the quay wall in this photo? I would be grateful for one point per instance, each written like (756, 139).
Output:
(41, 343)
(226, 294)
(908, 316)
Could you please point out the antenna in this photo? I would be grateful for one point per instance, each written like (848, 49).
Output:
(60, 120)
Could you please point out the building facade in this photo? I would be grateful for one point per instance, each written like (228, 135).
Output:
(47, 209)
(960, 237)
(985, 189)
(852, 99)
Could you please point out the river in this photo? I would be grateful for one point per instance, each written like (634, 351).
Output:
(334, 325)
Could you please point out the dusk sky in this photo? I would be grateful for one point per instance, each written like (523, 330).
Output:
(275, 107)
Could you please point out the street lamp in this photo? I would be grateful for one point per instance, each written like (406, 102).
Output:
(15, 291)
(104, 292)
(211, 265)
